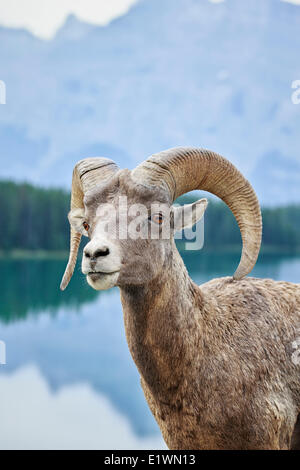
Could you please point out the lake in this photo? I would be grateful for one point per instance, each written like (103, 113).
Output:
(69, 380)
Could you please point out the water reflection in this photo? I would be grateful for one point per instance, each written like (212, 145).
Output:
(32, 286)
(73, 345)
(89, 347)
(74, 418)
(204, 266)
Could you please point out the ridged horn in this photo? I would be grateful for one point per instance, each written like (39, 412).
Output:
(86, 175)
(181, 170)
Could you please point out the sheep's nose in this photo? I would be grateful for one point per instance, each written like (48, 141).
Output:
(103, 251)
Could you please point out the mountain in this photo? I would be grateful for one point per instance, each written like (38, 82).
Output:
(177, 72)
(73, 29)
(276, 179)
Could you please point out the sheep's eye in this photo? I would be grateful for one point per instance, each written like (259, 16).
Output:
(157, 218)
(86, 226)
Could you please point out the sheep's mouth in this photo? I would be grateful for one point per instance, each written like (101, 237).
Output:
(102, 280)
(95, 275)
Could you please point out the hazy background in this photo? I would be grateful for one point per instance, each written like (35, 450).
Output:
(124, 79)
(188, 72)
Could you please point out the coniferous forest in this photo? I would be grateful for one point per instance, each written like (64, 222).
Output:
(33, 218)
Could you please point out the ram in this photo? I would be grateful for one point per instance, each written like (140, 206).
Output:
(216, 360)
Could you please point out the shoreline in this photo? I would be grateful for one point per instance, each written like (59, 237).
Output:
(33, 254)
(63, 254)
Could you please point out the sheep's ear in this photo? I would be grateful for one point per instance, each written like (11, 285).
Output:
(76, 219)
(188, 215)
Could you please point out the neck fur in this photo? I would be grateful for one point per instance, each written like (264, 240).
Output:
(162, 319)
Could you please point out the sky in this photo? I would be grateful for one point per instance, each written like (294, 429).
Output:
(44, 17)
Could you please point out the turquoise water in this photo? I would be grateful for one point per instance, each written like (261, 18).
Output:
(69, 380)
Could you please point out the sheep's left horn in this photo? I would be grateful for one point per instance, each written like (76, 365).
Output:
(87, 174)
(181, 170)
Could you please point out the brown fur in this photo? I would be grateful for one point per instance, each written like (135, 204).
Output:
(215, 361)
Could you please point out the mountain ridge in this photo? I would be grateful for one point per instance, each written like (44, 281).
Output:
(165, 74)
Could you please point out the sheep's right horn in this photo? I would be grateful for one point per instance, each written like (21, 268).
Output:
(182, 169)
(86, 174)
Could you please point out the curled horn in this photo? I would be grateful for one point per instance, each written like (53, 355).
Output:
(87, 174)
(182, 169)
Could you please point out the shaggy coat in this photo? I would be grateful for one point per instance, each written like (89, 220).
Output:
(218, 363)
(216, 360)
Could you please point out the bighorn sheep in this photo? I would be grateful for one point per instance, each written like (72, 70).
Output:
(215, 361)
